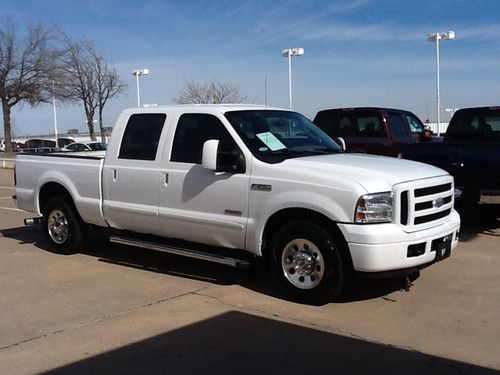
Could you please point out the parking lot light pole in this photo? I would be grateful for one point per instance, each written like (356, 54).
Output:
(436, 37)
(290, 52)
(137, 73)
(56, 135)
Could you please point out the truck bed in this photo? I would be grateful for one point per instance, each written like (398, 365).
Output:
(78, 172)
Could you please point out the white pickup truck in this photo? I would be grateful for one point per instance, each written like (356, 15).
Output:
(246, 179)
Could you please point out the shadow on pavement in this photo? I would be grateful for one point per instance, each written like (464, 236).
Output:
(479, 220)
(256, 277)
(239, 343)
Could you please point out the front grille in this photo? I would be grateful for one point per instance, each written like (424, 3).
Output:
(432, 190)
(404, 207)
(424, 204)
(428, 204)
(432, 217)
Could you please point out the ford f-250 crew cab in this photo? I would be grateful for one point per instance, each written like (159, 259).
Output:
(248, 179)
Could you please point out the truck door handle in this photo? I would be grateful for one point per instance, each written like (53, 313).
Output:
(114, 175)
(165, 180)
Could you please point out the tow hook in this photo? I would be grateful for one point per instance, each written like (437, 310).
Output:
(32, 221)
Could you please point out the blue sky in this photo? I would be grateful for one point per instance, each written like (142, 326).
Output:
(357, 53)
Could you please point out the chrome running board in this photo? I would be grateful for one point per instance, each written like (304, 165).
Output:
(176, 250)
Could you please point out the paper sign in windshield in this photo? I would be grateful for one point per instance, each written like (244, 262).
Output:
(271, 141)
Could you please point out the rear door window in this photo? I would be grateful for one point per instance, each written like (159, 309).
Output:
(365, 124)
(328, 122)
(351, 123)
(141, 136)
(470, 124)
(369, 126)
(490, 128)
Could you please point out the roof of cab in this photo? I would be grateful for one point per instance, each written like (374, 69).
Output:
(211, 108)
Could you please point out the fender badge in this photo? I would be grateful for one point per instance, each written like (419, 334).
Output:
(261, 187)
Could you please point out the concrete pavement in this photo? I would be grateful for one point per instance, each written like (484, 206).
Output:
(113, 308)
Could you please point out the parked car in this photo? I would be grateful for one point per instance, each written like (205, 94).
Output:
(86, 146)
(372, 130)
(63, 142)
(39, 145)
(16, 146)
(470, 152)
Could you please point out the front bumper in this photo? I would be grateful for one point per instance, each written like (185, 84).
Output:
(387, 247)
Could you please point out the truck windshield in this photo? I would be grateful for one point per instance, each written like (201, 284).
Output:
(273, 136)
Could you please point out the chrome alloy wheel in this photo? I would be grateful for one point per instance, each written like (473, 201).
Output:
(57, 225)
(302, 263)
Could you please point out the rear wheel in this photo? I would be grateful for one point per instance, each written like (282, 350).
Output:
(62, 226)
(306, 262)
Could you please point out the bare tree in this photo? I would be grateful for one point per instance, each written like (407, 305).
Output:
(108, 86)
(91, 80)
(209, 93)
(80, 81)
(27, 69)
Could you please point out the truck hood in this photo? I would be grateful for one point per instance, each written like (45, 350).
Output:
(374, 173)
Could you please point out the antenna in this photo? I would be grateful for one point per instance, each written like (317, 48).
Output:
(265, 91)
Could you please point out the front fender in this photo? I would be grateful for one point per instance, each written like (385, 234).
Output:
(340, 209)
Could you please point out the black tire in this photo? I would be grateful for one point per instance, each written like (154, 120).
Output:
(62, 226)
(306, 262)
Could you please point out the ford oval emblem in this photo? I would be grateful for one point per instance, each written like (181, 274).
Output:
(438, 202)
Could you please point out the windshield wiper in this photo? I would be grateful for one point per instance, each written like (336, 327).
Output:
(287, 153)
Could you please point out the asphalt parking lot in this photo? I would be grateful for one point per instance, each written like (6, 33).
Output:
(116, 309)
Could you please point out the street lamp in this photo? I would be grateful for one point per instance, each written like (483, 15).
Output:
(290, 52)
(55, 121)
(436, 37)
(137, 73)
(55, 115)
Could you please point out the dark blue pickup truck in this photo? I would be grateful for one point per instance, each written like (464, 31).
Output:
(470, 151)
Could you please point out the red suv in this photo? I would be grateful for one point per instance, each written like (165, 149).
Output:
(372, 130)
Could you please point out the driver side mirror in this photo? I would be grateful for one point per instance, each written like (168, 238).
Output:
(209, 155)
(214, 158)
(341, 142)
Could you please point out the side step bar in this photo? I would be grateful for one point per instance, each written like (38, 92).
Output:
(190, 253)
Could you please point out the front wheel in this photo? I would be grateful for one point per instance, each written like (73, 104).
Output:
(306, 262)
(62, 226)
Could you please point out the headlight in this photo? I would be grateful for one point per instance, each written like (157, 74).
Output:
(374, 208)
